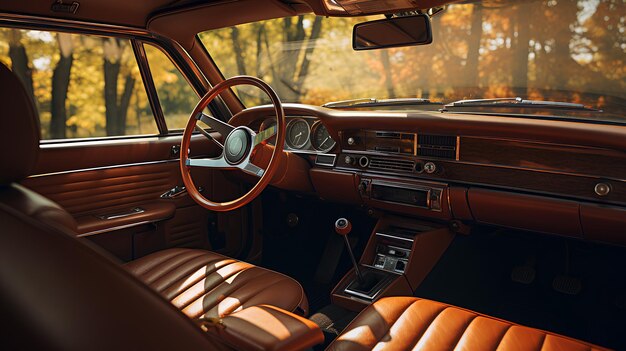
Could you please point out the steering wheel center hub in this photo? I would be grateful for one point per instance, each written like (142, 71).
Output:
(236, 146)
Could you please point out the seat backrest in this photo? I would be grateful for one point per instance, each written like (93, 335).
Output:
(56, 292)
(19, 145)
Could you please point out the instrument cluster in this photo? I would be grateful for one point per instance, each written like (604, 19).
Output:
(306, 134)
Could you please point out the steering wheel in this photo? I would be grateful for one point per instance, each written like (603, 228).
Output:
(240, 144)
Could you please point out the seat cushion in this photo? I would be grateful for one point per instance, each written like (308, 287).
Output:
(409, 323)
(203, 283)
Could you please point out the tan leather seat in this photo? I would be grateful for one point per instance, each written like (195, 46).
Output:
(202, 283)
(409, 323)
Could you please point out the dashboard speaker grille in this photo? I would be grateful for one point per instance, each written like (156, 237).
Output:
(383, 163)
(440, 146)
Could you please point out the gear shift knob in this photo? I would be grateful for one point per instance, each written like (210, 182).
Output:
(343, 226)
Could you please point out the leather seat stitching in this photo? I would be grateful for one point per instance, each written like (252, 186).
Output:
(227, 293)
(144, 267)
(205, 292)
(506, 331)
(419, 336)
(242, 302)
(185, 274)
(189, 257)
(463, 330)
(545, 336)
(205, 276)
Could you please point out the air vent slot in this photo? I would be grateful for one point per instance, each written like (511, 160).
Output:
(387, 164)
(439, 146)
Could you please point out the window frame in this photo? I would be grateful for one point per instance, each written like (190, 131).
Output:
(137, 37)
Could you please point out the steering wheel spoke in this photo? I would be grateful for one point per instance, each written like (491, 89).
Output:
(221, 127)
(217, 163)
(251, 168)
(264, 135)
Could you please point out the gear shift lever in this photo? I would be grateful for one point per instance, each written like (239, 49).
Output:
(343, 228)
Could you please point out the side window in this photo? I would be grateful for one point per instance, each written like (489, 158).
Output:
(83, 86)
(176, 96)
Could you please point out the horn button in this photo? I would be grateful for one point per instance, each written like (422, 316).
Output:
(236, 146)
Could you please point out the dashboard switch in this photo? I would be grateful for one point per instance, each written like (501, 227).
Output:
(430, 167)
(351, 141)
(602, 189)
(349, 160)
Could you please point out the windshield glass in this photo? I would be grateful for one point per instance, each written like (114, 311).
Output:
(557, 50)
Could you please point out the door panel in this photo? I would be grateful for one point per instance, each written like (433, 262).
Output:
(109, 178)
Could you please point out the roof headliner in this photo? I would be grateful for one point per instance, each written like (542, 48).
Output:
(165, 16)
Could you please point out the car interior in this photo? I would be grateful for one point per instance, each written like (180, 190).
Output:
(220, 175)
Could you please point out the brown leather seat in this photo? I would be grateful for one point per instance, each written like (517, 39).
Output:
(409, 323)
(19, 142)
(199, 282)
(206, 284)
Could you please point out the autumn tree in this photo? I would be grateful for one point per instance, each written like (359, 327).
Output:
(60, 86)
(116, 104)
(20, 63)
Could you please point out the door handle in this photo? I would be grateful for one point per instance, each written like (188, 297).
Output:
(116, 215)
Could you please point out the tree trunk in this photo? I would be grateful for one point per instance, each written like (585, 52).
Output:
(473, 46)
(122, 109)
(19, 62)
(384, 56)
(112, 55)
(520, 51)
(60, 85)
(316, 30)
(241, 63)
(111, 71)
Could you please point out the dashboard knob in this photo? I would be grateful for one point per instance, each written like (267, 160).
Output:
(364, 161)
(349, 160)
(430, 167)
(602, 189)
(351, 141)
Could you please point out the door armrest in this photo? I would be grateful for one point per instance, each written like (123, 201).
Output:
(120, 218)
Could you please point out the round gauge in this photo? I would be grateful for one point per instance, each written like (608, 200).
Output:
(297, 133)
(268, 123)
(320, 138)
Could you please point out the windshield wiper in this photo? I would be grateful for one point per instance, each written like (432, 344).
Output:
(371, 102)
(518, 102)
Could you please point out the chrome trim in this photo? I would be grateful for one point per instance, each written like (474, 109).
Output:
(395, 237)
(132, 211)
(332, 164)
(409, 186)
(314, 127)
(103, 168)
(307, 138)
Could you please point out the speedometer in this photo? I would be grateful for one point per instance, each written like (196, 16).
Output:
(320, 138)
(297, 133)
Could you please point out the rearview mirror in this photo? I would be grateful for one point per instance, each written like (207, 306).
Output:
(392, 32)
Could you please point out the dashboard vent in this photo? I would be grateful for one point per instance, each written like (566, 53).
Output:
(387, 164)
(440, 146)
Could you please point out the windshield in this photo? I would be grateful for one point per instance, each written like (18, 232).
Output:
(556, 50)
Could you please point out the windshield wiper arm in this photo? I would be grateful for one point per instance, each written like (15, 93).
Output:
(518, 102)
(368, 102)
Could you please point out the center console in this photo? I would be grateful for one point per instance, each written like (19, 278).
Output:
(398, 256)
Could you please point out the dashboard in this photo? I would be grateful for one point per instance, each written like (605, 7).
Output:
(563, 178)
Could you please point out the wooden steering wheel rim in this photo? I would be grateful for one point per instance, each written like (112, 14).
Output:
(271, 168)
